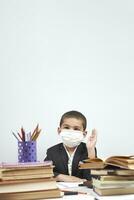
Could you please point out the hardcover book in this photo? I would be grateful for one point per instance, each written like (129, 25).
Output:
(113, 172)
(114, 191)
(21, 171)
(126, 162)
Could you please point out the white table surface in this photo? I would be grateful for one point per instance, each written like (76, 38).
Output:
(90, 195)
(84, 193)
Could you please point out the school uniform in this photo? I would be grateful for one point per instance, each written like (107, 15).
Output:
(60, 158)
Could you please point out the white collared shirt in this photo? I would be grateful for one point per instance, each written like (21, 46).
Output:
(70, 160)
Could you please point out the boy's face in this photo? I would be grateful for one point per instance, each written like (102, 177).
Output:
(72, 124)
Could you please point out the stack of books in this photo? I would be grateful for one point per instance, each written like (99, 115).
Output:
(23, 181)
(114, 176)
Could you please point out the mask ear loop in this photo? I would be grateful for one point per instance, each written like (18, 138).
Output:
(85, 134)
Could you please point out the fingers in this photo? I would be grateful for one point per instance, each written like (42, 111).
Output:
(93, 136)
(94, 132)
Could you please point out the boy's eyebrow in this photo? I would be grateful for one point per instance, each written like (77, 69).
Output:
(65, 124)
(71, 126)
(77, 126)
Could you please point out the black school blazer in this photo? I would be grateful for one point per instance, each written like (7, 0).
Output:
(59, 157)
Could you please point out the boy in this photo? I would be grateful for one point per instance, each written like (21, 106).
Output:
(67, 155)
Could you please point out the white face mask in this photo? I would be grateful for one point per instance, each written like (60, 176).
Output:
(71, 138)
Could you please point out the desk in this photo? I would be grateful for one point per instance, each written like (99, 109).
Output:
(75, 197)
(90, 195)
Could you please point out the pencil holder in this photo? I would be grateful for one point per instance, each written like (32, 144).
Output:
(27, 151)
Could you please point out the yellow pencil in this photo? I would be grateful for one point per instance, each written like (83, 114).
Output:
(36, 135)
(35, 131)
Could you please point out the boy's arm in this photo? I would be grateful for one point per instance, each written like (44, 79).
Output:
(49, 157)
(91, 142)
(63, 177)
(58, 176)
(67, 178)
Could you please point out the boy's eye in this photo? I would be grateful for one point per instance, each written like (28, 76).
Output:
(66, 127)
(76, 129)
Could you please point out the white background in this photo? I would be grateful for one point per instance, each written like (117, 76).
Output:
(58, 55)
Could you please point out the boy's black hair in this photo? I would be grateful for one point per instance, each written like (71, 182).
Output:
(74, 114)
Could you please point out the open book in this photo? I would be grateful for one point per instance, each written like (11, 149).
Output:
(126, 162)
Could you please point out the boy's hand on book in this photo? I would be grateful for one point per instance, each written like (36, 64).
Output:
(91, 142)
(67, 178)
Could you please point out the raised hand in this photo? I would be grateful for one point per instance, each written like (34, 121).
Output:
(91, 142)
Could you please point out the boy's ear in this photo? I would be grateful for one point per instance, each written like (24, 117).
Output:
(58, 130)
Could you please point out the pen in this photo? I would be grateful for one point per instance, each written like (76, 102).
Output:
(23, 134)
(20, 136)
(36, 135)
(73, 193)
(15, 136)
(70, 193)
(81, 184)
(34, 132)
(28, 136)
